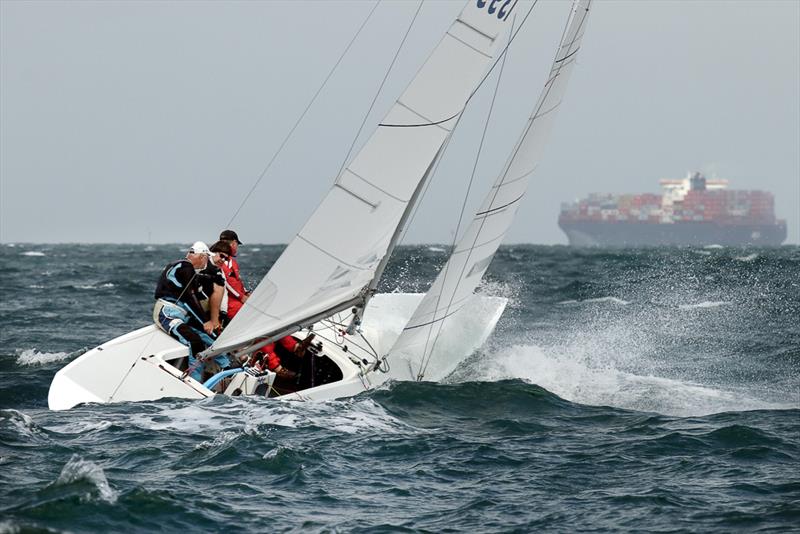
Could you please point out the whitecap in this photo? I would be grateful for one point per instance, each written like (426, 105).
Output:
(713, 247)
(594, 379)
(95, 286)
(255, 249)
(748, 258)
(34, 357)
(21, 421)
(35, 286)
(598, 300)
(436, 249)
(7, 527)
(704, 304)
(77, 469)
(35, 253)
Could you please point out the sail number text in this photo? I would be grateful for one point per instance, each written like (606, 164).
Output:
(501, 7)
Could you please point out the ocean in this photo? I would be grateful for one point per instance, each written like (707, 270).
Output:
(651, 389)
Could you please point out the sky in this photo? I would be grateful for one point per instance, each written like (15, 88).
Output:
(149, 122)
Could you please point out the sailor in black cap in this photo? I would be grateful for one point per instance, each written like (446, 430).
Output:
(237, 294)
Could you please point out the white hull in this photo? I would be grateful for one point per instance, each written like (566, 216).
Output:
(138, 366)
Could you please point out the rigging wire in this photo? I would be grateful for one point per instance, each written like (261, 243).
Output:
(302, 115)
(380, 88)
(497, 190)
(500, 57)
(425, 355)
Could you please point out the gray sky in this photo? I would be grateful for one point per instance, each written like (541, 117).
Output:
(150, 121)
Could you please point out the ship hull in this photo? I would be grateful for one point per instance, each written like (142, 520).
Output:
(644, 234)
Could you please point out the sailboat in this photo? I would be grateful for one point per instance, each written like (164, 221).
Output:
(325, 284)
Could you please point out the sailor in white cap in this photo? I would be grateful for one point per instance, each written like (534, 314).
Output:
(177, 310)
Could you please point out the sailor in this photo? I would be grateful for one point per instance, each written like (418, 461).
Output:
(268, 356)
(178, 312)
(237, 294)
(211, 284)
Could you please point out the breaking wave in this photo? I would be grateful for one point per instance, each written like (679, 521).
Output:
(78, 471)
(34, 357)
(593, 381)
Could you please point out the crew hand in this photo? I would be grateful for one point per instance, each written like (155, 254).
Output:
(208, 327)
(301, 347)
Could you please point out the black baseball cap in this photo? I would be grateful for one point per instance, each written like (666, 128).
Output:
(229, 235)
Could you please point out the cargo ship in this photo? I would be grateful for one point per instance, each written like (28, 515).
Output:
(691, 211)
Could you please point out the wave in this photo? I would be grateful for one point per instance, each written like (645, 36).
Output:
(34, 357)
(34, 253)
(78, 470)
(597, 381)
(748, 258)
(704, 304)
(247, 415)
(106, 285)
(613, 300)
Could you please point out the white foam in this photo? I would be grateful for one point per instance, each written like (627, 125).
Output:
(21, 421)
(713, 247)
(436, 249)
(77, 469)
(596, 381)
(34, 357)
(34, 253)
(748, 258)
(704, 304)
(598, 300)
(7, 527)
(241, 415)
(95, 286)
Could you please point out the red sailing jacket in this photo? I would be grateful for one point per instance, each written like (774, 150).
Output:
(271, 359)
(234, 286)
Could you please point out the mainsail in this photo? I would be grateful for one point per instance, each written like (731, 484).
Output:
(410, 357)
(331, 262)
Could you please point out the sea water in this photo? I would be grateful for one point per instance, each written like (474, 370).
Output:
(654, 389)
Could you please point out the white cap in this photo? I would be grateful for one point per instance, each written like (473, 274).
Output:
(199, 248)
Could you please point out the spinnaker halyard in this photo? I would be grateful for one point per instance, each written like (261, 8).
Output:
(412, 356)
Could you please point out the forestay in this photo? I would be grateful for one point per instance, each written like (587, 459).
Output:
(328, 265)
(411, 355)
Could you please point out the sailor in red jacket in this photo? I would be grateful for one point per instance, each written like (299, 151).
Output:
(237, 294)
(267, 356)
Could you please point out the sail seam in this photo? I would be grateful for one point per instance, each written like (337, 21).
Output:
(423, 117)
(517, 179)
(490, 211)
(300, 236)
(435, 320)
(462, 41)
(479, 245)
(543, 113)
(476, 30)
(359, 197)
(388, 194)
(430, 123)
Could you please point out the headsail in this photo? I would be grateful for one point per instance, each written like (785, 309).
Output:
(328, 265)
(410, 357)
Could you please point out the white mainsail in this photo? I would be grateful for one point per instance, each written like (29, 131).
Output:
(410, 357)
(333, 259)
